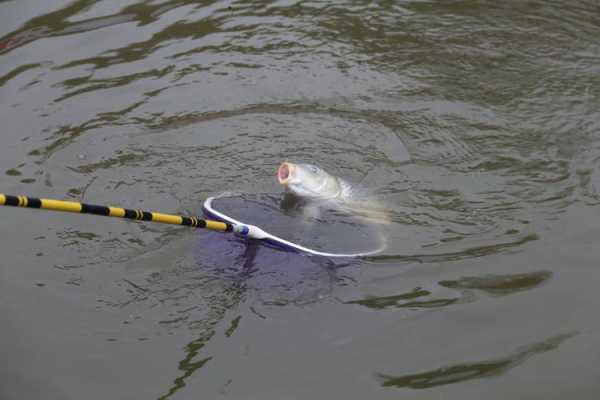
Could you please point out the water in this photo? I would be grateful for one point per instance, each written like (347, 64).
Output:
(476, 122)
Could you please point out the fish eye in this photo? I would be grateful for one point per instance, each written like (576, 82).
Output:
(313, 169)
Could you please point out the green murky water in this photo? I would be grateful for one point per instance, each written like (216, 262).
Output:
(476, 122)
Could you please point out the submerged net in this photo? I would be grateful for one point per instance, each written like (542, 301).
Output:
(288, 218)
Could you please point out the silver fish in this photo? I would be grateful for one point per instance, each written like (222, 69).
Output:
(321, 188)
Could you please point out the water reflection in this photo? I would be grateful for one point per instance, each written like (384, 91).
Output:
(405, 300)
(496, 285)
(243, 273)
(476, 370)
(500, 285)
(58, 23)
(273, 275)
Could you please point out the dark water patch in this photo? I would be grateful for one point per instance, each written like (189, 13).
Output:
(191, 363)
(409, 300)
(500, 285)
(476, 370)
(17, 71)
(13, 172)
(234, 325)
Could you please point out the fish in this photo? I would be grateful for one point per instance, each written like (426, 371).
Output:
(321, 189)
(287, 275)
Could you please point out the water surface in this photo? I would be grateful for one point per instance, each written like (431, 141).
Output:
(475, 122)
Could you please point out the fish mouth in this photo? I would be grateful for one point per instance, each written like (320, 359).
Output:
(285, 172)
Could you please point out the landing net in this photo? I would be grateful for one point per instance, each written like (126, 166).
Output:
(286, 224)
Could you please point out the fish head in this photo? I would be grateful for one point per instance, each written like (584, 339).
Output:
(308, 181)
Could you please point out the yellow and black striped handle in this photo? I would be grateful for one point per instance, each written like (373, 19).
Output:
(83, 208)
